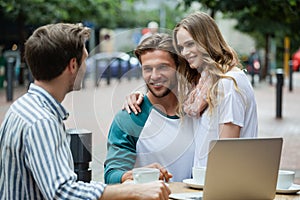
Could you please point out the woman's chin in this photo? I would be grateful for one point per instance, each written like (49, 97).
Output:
(193, 66)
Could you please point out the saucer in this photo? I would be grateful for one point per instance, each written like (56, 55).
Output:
(132, 182)
(128, 182)
(187, 195)
(193, 184)
(293, 189)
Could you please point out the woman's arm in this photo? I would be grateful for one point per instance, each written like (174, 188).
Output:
(229, 130)
(133, 102)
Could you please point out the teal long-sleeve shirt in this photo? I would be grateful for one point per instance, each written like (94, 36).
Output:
(121, 145)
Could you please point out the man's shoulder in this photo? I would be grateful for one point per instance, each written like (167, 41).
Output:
(124, 117)
(130, 122)
(29, 110)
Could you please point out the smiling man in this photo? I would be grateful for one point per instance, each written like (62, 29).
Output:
(156, 137)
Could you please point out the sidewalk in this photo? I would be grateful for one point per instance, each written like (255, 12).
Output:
(93, 108)
(286, 127)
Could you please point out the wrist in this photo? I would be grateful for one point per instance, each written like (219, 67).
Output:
(127, 176)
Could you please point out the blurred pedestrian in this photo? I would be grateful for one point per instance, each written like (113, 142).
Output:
(253, 65)
(152, 29)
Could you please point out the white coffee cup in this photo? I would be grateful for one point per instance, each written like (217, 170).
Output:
(145, 175)
(199, 174)
(285, 179)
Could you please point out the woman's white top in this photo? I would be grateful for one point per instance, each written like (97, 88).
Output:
(237, 107)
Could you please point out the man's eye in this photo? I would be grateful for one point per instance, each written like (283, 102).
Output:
(147, 69)
(163, 67)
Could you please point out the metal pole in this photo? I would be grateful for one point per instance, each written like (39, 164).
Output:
(252, 76)
(162, 17)
(279, 85)
(108, 72)
(10, 78)
(119, 68)
(291, 76)
(92, 39)
(129, 70)
(96, 73)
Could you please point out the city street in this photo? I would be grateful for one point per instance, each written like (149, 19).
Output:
(93, 108)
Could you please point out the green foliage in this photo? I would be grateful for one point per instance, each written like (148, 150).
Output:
(132, 18)
(278, 18)
(102, 13)
(36, 12)
(261, 19)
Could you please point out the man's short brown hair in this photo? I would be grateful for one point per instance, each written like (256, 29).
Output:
(51, 47)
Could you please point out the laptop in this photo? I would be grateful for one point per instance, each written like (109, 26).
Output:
(241, 168)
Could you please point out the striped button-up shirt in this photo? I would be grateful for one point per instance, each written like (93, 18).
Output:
(36, 160)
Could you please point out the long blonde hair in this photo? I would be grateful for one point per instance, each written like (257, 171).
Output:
(218, 56)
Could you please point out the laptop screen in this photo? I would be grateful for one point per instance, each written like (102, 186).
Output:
(242, 168)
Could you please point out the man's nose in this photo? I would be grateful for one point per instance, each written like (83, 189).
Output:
(155, 74)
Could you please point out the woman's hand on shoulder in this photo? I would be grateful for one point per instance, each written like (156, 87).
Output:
(132, 102)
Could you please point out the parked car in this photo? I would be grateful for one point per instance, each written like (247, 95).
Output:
(111, 65)
(296, 61)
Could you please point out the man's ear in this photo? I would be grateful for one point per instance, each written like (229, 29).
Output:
(73, 66)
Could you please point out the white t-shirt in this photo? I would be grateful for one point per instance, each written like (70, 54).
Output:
(169, 142)
(236, 107)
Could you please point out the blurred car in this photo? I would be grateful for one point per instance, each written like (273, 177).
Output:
(296, 61)
(111, 65)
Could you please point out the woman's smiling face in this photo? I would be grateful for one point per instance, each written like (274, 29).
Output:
(188, 48)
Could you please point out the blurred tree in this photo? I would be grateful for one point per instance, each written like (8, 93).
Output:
(38, 12)
(261, 19)
(28, 14)
(102, 13)
(133, 17)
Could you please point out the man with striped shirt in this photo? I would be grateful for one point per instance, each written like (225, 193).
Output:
(35, 156)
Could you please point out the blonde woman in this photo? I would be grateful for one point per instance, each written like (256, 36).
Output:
(223, 86)
(222, 101)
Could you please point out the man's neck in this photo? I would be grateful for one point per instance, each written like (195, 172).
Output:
(165, 104)
(53, 88)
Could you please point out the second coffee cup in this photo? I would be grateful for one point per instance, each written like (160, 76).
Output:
(199, 175)
(285, 179)
(145, 175)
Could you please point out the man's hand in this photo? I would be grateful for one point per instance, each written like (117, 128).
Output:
(164, 174)
(127, 176)
(156, 190)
